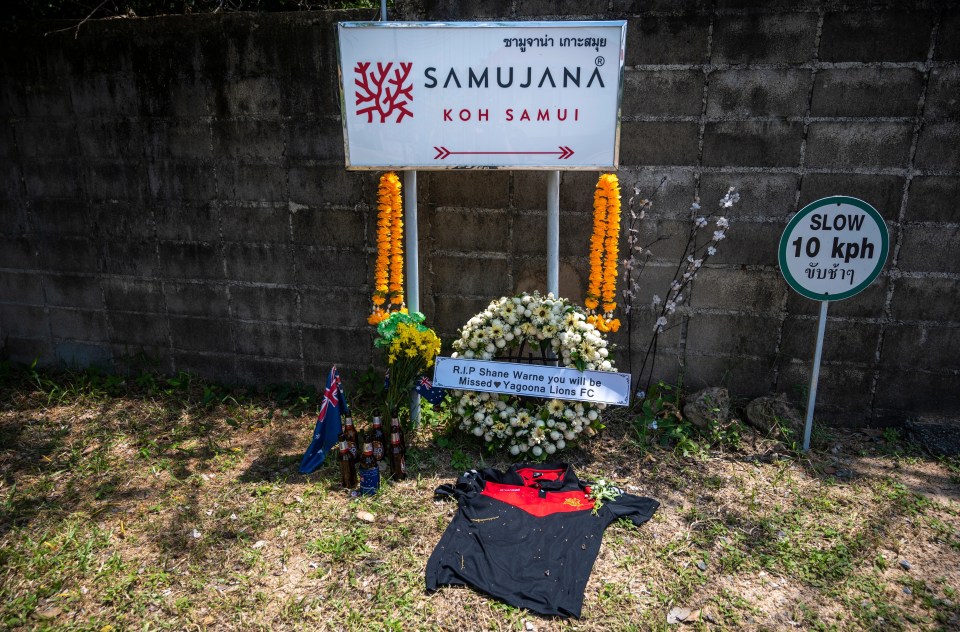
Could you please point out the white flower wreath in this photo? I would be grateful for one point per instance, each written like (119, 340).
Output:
(508, 326)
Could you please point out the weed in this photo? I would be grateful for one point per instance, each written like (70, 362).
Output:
(340, 546)
(460, 461)
(812, 619)
(366, 391)
(616, 595)
(943, 532)
(952, 465)
(148, 382)
(880, 561)
(434, 418)
(296, 399)
(180, 382)
(907, 502)
(782, 430)
(732, 558)
(731, 607)
(661, 422)
(725, 434)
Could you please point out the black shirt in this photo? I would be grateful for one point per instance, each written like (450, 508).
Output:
(527, 536)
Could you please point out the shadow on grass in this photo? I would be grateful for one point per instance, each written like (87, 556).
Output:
(76, 441)
(272, 467)
(827, 520)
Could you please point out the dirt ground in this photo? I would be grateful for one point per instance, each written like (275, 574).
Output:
(144, 506)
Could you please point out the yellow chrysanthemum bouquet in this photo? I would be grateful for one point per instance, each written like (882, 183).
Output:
(411, 348)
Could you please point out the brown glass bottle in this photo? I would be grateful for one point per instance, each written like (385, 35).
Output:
(348, 473)
(353, 440)
(367, 460)
(398, 458)
(395, 427)
(378, 439)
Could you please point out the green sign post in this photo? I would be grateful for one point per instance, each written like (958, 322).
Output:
(831, 250)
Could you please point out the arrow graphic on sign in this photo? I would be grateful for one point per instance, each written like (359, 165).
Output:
(563, 154)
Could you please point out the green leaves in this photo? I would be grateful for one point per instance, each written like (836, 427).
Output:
(387, 328)
(661, 422)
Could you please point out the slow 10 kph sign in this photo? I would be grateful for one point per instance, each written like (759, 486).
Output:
(833, 248)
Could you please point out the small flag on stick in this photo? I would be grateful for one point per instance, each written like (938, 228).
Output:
(325, 435)
(432, 394)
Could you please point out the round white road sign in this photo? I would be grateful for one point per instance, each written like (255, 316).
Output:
(833, 248)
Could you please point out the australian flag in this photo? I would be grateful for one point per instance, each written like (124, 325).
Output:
(431, 393)
(325, 435)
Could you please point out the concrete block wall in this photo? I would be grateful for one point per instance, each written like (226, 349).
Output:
(790, 102)
(174, 197)
(172, 194)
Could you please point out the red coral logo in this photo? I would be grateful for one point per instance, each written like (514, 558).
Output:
(383, 91)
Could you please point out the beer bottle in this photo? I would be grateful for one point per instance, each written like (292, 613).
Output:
(395, 427)
(353, 441)
(398, 463)
(379, 440)
(369, 472)
(348, 473)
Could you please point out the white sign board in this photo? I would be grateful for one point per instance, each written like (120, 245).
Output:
(532, 380)
(523, 95)
(833, 248)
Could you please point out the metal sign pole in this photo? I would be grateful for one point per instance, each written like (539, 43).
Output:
(553, 232)
(413, 249)
(553, 236)
(413, 266)
(815, 375)
(831, 249)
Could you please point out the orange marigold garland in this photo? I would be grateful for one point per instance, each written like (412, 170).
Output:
(611, 247)
(592, 300)
(396, 248)
(388, 276)
(604, 253)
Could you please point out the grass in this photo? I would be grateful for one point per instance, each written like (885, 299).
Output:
(154, 502)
